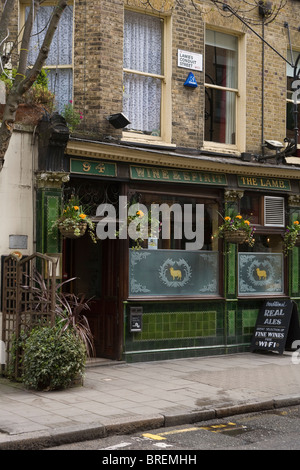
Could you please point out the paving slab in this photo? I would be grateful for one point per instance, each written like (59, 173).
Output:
(144, 396)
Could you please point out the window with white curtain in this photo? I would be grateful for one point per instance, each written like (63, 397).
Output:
(59, 62)
(143, 72)
(290, 107)
(221, 87)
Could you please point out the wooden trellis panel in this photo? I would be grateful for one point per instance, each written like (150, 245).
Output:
(23, 307)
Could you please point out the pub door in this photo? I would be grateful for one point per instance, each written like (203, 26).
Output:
(96, 269)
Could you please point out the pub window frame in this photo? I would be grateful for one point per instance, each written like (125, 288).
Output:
(269, 241)
(240, 94)
(213, 196)
(57, 69)
(290, 133)
(165, 135)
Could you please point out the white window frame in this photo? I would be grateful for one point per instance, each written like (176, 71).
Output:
(290, 100)
(166, 107)
(27, 3)
(240, 92)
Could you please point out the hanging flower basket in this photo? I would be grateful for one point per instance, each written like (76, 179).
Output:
(74, 232)
(236, 230)
(297, 242)
(237, 236)
(74, 222)
(291, 237)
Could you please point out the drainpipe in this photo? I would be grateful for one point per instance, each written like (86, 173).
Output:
(263, 90)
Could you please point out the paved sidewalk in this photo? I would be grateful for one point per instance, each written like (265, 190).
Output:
(120, 398)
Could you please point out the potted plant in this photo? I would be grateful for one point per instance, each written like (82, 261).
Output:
(53, 358)
(50, 356)
(291, 237)
(73, 222)
(71, 116)
(235, 229)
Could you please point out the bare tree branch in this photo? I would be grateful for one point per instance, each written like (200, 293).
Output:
(26, 78)
(4, 22)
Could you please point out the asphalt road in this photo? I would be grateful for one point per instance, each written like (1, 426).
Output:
(269, 430)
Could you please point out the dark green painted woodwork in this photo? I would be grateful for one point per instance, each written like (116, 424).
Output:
(201, 327)
(48, 210)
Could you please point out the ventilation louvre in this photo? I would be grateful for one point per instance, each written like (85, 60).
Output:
(274, 211)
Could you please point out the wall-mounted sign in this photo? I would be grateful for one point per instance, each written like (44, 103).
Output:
(277, 326)
(92, 167)
(260, 182)
(177, 176)
(136, 316)
(18, 242)
(190, 60)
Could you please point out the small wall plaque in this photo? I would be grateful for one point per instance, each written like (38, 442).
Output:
(18, 242)
(136, 314)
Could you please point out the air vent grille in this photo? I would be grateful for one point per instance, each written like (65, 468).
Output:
(274, 211)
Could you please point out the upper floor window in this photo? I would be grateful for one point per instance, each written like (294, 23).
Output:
(290, 109)
(221, 87)
(145, 78)
(60, 59)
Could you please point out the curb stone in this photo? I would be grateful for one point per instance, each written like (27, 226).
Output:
(281, 402)
(244, 408)
(42, 440)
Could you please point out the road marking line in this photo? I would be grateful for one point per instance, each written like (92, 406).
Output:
(158, 437)
(117, 446)
(155, 437)
(178, 431)
(162, 445)
(223, 427)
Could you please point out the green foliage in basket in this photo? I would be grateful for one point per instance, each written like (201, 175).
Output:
(234, 224)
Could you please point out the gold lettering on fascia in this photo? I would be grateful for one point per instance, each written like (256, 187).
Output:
(178, 175)
(263, 182)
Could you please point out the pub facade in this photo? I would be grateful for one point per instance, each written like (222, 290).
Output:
(194, 131)
(211, 305)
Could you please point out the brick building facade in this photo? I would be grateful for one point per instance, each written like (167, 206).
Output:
(207, 147)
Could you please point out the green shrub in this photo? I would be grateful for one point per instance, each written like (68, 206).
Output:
(8, 77)
(38, 94)
(53, 358)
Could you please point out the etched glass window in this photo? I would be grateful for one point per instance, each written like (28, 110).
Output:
(166, 264)
(261, 273)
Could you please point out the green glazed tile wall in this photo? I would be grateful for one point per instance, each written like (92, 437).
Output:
(48, 210)
(173, 325)
(231, 323)
(248, 321)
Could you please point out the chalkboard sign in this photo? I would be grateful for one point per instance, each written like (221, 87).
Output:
(277, 326)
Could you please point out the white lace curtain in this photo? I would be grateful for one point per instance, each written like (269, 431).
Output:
(60, 54)
(143, 53)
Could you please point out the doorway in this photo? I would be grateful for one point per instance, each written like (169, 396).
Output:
(95, 267)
